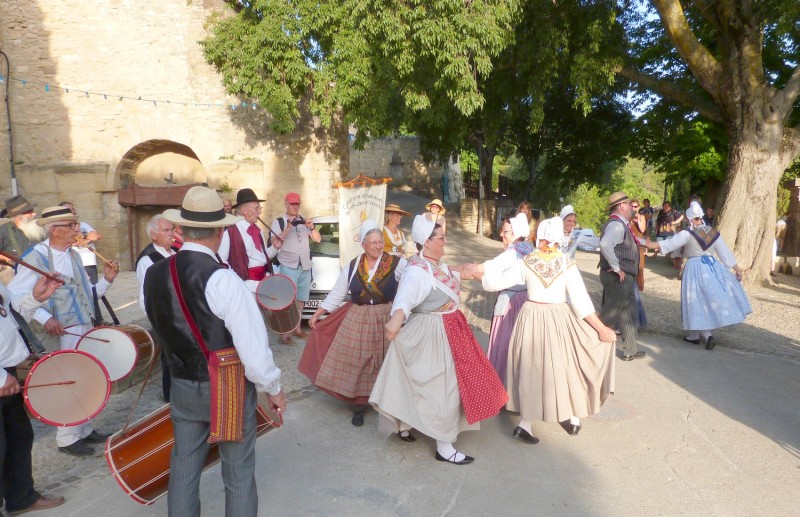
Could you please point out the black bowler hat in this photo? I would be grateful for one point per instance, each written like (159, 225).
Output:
(246, 195)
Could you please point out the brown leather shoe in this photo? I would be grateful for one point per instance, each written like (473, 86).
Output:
(45, 502)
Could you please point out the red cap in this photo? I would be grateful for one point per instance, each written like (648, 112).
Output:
(292, 197)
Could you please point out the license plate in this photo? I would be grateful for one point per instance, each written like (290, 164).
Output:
(312, 303)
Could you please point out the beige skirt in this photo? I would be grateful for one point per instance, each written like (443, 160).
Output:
(557, 366)
(417, 386)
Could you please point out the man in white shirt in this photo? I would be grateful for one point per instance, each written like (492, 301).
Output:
(162, 233)
(70, 308)
(243, 247)
(222, 310)
(16, 433)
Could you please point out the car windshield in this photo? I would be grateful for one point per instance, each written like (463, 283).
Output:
(329, 245)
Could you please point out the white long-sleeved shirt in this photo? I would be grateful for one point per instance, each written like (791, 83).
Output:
(692, 248)
(338, 295)
(255, 257)
(143, 265)
(23, 283)
(568, 282)
(230, 300)
(12, 349)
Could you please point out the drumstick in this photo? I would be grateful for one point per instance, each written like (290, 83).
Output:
(88, 337)
(17, 260)
(49, 384)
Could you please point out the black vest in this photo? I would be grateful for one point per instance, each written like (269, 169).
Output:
(184, 356)
(627, 251)
(150, 251)
(388, 286)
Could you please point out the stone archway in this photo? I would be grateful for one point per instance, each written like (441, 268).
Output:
(154, 175)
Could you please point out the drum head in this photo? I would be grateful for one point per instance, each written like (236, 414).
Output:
(114, 348)
(276, 292)
(78, 388)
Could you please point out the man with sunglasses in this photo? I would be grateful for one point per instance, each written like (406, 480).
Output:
(68, 313)
(291, 233)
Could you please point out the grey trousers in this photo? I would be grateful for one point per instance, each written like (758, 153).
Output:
(191, 410)
(620, 310)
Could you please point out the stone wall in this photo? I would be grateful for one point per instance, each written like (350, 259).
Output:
(493, 212)
(72, 60)
(399, 158)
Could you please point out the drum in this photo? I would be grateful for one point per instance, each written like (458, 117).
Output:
(66, 388)
(139, 456)
(121, 349)
(276, 294)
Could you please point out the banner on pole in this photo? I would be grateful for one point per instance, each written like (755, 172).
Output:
(356, 205)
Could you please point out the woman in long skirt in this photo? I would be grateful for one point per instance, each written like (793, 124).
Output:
(561, 357)
(435, 378)
(711, 297)
(345, 350)
(509, 301)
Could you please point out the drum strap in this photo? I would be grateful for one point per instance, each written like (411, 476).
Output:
(226, 376)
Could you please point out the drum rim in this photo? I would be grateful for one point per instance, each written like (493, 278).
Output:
(57, 424)
(294, 298)
(117, 328)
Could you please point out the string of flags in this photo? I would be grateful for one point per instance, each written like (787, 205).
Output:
(47, 87)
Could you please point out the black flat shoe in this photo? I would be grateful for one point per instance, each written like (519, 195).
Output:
(95, 437)
(358, 418)
(77, 449)
(710, 344)
(524, 436)
(452, 459)
(692, 341)
(637, 355)
(574, 429)
(406, 437)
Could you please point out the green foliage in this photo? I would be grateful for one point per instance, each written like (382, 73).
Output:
(632, 177)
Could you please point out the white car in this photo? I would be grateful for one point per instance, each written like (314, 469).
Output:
(587, 240)
(325, 268)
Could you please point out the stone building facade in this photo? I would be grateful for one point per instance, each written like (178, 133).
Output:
(108, 96)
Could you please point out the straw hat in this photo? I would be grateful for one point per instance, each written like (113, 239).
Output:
(392, 207)
(55, 214)
(437, 202)
(616, 198)
(201, 208)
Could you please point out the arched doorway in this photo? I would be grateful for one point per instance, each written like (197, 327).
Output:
(154, 175)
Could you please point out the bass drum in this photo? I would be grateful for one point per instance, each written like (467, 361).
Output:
(66, 388)
(139, 456)
(277, 296)
(121, 349)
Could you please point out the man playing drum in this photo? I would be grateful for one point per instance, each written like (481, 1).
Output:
(68, 314)
(243, 246)
(16, 433)
(225, 313)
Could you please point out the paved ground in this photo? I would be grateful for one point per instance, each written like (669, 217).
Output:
(687, 432)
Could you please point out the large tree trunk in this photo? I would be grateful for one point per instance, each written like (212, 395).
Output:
(758, 153)
(487, 167)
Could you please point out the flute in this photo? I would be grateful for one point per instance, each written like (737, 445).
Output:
(17, 260)
(270, 229)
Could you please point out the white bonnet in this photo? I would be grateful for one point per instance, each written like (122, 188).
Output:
(366, 227)
(520, 226)
(694, 211)
(551, 230)
(567, 210)
(421, 229)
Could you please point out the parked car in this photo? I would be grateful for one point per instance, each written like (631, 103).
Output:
(587, 240)
(325, 267)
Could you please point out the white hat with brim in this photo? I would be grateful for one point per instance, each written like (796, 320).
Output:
(201, 208)
(55, 214)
